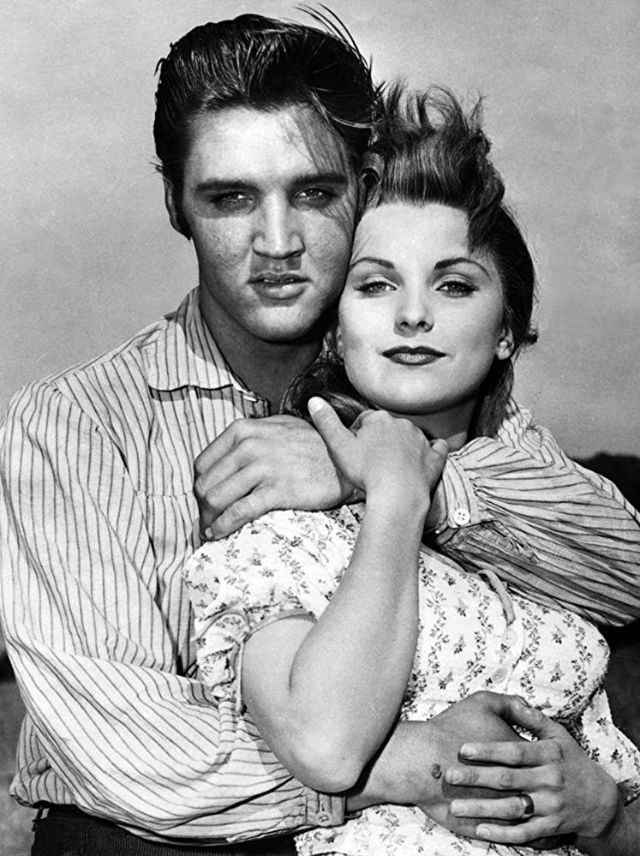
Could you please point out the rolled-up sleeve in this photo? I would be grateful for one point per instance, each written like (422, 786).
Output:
(555, 531)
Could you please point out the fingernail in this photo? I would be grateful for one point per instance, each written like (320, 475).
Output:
(468, 751)
(314, 404)
(208, 534)
(483, 831)
(454, 777)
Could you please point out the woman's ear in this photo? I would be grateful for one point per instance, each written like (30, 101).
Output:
(505, 345)
(338, 341)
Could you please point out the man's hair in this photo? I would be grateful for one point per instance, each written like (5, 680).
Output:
(426, 149)
(265, 64)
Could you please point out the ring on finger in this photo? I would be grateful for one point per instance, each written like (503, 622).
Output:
(528, 808)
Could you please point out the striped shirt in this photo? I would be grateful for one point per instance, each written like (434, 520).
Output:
(97, 519)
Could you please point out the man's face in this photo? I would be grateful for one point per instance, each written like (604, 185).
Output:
(269, 199)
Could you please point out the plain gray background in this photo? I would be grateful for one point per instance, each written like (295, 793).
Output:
(89, 256)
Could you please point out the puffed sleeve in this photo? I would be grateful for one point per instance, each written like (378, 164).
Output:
(607, 745)
(286, 563)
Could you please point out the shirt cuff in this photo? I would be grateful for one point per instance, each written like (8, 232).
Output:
(455, 504)
(324, 809)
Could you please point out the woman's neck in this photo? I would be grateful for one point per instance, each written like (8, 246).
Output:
(451, 425)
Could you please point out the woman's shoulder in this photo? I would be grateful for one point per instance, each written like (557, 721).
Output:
(278, 540)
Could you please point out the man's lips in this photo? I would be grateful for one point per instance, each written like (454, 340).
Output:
(270, 277)
(418, 356)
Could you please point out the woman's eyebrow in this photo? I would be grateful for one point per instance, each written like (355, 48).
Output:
(372, 260)
(459, 260)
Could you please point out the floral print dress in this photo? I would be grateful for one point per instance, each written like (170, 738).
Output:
(473, 635)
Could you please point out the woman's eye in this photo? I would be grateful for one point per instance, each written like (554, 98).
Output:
(456, 287)
(374, 286)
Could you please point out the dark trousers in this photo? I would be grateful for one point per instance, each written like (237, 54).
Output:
(66, 831)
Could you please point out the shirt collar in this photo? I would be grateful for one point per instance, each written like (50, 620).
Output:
(184, 353)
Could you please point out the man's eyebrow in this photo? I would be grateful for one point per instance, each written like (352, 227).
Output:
(219, 185)
(458, 260)
(374, 261)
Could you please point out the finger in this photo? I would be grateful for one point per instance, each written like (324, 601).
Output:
(510, 808)
(339, 440)
(525, 753)
(518, 833)
(223, 496)
(222, 445)
(508, 778)
(269, 427)
(440, 447)
(245, 510)
(357, 422)
(516, 711)
(437, 460)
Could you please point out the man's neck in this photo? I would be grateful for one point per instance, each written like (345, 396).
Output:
(270, 368)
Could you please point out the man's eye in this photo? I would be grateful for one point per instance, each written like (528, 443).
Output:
(315, 197)
(456, 287)
(231, 201)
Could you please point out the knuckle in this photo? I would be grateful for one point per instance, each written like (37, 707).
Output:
(556, 753)
(505, 779)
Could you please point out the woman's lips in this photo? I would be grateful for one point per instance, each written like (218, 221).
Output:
(420, 356)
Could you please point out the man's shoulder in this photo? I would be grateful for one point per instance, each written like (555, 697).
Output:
(104, 385)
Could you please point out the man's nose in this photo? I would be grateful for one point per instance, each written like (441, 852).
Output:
(415, 311)
(278, 232)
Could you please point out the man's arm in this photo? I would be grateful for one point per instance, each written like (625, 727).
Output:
(518, 506)
(409, 769)
(85, 615)
(514, 504)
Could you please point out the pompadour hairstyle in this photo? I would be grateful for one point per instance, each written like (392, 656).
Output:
(262, 63)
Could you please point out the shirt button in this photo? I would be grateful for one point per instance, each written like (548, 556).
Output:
(323, 818)
(461, 516)
(499, 675)
(510, 636)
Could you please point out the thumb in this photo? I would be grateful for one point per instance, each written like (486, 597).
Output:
(338, 439)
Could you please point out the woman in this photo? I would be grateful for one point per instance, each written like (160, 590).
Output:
(437, 302)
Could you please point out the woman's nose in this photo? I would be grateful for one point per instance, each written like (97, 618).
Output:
(278, 233)
(415, 312)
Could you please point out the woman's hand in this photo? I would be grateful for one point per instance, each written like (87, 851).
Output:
(381, 452)
(551, 785)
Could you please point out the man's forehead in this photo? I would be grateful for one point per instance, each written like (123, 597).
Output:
(243, 141)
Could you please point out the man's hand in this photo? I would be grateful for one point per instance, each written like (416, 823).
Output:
(547, 787)
(258, 465)
(409, 768)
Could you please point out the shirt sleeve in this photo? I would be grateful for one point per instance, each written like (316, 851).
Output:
(116, 729)
(553, 530)
(284, 564)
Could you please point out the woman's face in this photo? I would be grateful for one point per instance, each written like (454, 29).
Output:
(421, 316)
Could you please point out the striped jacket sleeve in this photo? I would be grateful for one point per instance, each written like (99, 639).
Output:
(119, 732)
(553, 530)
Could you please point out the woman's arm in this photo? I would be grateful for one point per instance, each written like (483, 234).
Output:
(325, 695)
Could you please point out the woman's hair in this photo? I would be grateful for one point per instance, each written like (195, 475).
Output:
(426, 149)
(264, 64)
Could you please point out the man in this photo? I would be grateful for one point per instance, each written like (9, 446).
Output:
(259, 128)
